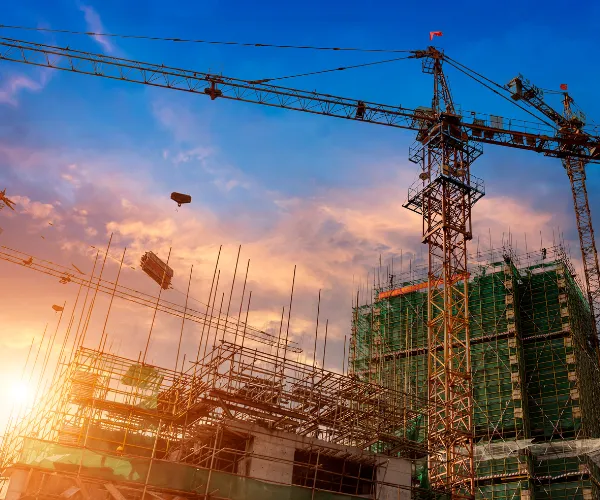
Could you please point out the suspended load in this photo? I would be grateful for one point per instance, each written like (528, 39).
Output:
(157, 269)
(180, 198)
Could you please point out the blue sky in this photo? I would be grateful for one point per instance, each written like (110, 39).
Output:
(97, 156)
(497, 42)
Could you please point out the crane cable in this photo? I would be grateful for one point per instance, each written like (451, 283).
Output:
(209, 42)
(265, 80)
(137, 297)
(450, 61)
(461, 67)
(469, 72)
(41, 47)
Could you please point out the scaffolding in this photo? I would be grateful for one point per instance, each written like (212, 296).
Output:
(118, 426)
(247, 417)
(535, 371)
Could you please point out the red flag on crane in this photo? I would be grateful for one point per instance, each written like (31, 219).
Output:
(563, 86)
(434, 33)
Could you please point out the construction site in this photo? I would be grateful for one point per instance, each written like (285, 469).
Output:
(467, 375)
(241, 423)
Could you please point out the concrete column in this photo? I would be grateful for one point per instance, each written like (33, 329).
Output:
(277, 465)
(395, 472)
(16, 484)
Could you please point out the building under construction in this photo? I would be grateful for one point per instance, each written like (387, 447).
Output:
(535, 372)
(241, 423)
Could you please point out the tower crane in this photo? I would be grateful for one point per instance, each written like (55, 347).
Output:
(446, 145)
(570, 125)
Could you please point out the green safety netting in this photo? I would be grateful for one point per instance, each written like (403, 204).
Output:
(142, 376)
(163, 474)
(534, 374)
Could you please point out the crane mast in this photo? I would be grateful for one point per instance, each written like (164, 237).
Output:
(444, 198)
(575, 168)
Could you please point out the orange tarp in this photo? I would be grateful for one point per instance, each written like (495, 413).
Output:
(413, 288)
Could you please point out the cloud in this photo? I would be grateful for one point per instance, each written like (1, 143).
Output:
(13, 84)
(94, 24)
(199, 153)
(179, 121)
(80, 216)
(71, 180)
(334, 236)
(35, 209)
(193, 138)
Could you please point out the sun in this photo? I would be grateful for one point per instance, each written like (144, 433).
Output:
(20, 392)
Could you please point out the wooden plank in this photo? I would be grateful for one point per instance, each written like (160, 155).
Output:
(155, 495)
(114, 492)
(82, 489)
(69, 492)
(225, 409)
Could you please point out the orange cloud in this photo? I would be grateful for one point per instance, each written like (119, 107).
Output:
(35, 209)
(335, 237)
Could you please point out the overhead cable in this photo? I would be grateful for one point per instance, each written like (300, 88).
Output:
(209, 42)
(470, 73)
(265, 80)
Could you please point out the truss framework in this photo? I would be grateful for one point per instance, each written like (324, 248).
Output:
(575, 168)
(445, 202)
(482, 128)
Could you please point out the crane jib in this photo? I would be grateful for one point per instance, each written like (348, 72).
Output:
(484, 130)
